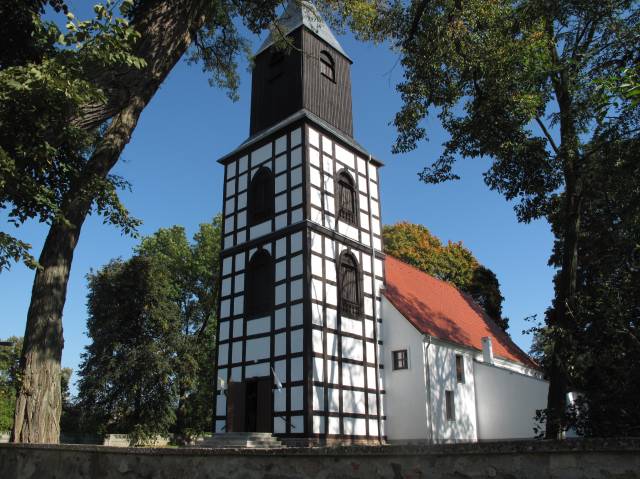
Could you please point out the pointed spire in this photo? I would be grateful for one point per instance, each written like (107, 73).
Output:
(303, 13)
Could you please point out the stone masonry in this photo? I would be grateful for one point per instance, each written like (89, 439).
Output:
(571, 459)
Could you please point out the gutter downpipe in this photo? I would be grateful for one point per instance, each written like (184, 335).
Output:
(427, 339)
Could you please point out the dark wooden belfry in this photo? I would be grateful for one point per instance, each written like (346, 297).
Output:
(313, 75)
(301, 274)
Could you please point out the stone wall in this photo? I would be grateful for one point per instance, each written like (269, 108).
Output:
(571, 459)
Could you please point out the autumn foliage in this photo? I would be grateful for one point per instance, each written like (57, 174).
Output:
(452, 262)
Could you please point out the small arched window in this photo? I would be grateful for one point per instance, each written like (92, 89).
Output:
(350, 286)
(276, 64)
(347, 202)
(259, 284)
(277, 56)
(327, 66)
(261, 200)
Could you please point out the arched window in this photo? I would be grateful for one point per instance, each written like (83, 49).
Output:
(261, 197)
(276, 64)
(259, 284)
(350, 286)
(327, 66)
(277, 56)
(347, 202)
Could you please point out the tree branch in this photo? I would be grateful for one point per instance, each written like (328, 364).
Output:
(547, 135)
(416, 21)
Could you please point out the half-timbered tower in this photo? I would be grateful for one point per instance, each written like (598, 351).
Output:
(302, 267)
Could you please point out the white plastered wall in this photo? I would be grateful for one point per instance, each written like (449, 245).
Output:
(507, 402)
(405, 398)
(494, 401)
(441, 365)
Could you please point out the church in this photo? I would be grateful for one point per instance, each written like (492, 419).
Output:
(321, 337)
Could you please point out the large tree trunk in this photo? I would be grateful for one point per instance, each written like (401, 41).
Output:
(166, 29)
(561, 320)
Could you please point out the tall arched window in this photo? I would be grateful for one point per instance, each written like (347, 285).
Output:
(350, 286)
(259, 283)
(347, 203)
(327, 66)
(261, 199)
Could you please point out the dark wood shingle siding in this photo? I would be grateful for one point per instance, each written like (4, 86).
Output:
(274, 98)
(301, 85)
(331, 101)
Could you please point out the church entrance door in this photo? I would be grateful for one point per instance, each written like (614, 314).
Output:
(249, 406)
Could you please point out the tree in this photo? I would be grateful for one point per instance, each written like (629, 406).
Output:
(194, 270)
(10, 379)
(126, 372)
(9, 364)
(98, 120)
(149, 367)
(518, 82)
(71, 415)
(605, 358)
(453, 262)
(42, 83)
(42, 156)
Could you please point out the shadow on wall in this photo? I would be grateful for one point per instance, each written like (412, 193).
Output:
(463, 427)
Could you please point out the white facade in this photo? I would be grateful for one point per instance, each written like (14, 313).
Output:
(325, 361)
(507, 402)
(346, 379)
(490, 401)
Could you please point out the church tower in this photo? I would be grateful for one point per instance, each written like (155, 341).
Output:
(302, 263)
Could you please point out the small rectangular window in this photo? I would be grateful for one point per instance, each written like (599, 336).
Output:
(450, 406)
(460, 368)
(400, 359)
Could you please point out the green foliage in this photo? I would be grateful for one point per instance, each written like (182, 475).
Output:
(149, 368)
(625, 85)
(9, 377)
(194, 269)
(605, 357)
(51, 80)
(22, 41)
(452, 262)
(42, 151)
(125, 376)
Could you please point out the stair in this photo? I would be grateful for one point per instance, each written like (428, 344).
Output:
(238, 440)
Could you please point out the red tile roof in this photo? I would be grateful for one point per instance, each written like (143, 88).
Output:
(439, 309)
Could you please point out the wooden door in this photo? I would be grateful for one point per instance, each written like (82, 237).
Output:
(265, 410)
(235, 406)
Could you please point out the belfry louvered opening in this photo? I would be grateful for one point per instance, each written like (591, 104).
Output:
(327, 66)
(350, 288)
(347, 206)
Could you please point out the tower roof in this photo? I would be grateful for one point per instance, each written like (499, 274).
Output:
(302, 13)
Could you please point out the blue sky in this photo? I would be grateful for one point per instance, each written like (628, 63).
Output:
(171, 163)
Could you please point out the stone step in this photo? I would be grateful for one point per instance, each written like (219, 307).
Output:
(250, 440)
(242, 444)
